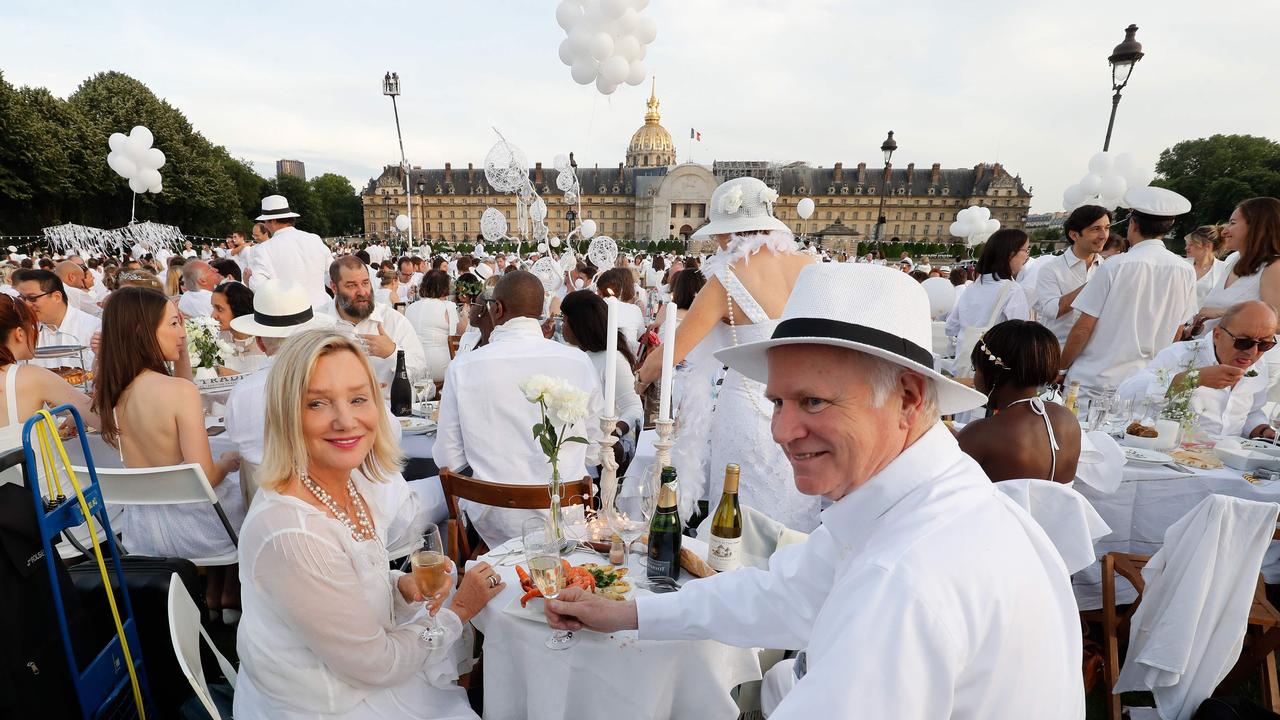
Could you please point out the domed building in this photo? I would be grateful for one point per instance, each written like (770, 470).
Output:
(651, 145)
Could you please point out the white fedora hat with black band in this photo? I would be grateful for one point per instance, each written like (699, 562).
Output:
(276, 207)
(869, 308)
(280, 309)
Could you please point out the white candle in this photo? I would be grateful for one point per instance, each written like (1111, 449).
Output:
(611, 360)
(668, 361)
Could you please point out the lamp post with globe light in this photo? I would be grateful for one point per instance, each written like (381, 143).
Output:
(391, 88)
(1123, 58)
(887, 147)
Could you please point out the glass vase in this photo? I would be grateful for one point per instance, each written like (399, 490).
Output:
(555, 513)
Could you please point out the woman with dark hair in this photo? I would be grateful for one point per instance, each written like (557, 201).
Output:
(586, 320)
(230, 300)
(996, 295)
(618, 285)
(1023, 436)
(156, 419)
(657, 270)
(434, 319)
(1254, 229)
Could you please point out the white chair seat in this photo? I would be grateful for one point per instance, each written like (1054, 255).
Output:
(185, 632)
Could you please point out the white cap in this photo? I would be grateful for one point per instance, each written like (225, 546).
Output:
(1157, 201)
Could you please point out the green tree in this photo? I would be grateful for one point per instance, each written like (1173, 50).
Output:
(298, 192)
(1217, 172)
(250, 189)
(339, 203)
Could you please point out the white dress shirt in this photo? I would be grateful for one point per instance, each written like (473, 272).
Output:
(1060, 275)
(77, 327)
(82, 300)
(400, 331)
(1139, 298)
(486, 422)
(294, 255)
(907, 601)
(1227, 411)
(974, 307)
(196, 303)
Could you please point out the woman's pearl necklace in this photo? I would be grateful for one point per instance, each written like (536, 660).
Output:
(362, 527)
(749, 385)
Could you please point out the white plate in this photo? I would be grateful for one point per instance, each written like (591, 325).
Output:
(1145, 456)
(218, 384)
(416, 426)
(534, 610)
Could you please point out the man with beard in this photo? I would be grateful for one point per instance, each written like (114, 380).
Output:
(382, 330)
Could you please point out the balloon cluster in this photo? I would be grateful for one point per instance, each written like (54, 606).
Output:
(1110, 176)
(974, 224)
(606, 41)
(133, 159)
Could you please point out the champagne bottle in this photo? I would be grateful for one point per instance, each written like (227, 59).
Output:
(664, 531)
(401, 389)
(1072, 398)
(723, 551)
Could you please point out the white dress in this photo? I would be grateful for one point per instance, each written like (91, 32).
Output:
(434, 320)
(1241, 289)
(325, 632)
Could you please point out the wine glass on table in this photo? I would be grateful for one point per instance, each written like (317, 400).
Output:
(631, 507)
(431, 573)
(542, 555)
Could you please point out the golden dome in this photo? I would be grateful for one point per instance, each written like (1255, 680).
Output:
(651, 145)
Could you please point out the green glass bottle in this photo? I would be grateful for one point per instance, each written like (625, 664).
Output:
(664, 531)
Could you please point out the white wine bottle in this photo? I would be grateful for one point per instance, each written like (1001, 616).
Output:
(724, 547)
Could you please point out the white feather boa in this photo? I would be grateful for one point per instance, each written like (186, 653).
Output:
(743, 247)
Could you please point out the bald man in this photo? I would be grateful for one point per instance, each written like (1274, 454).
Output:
(77, 282)
(1225, 372)
(485, 420)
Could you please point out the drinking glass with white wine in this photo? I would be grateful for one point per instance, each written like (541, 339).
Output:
(432, 572)
(542, 555)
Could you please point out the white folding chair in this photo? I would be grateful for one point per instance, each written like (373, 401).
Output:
(248, 481)
(185, 631)
(167, 485)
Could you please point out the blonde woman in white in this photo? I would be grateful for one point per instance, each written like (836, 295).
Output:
(328, 631)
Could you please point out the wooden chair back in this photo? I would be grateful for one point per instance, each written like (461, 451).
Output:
(502, 495)
(453, 345)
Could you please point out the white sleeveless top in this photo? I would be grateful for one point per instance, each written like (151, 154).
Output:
(11, 433)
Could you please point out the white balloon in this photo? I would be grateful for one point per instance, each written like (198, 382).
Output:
(1123, 164)
(1113, 186)
(639, 4)
(137, 185)
(646, 29)
(155, 188)
(1091, 183)
(566, 53)
(555, 242)
(142, 136)
(584, 70)
(614, 71)
(561, 162)
(402, 222)
(1100, 163)
(602, 46)
(991, 226)
(116, 141)
(568, 14)
(122, 164)
(587, 228)
(628, 47)
(636, 72)
(942, 296)
(580, 41)
(604, 86)
(596, 15)
(804, 208)
(153, 158)
(1073, 197)
(613, 9)
(542, 247)
(1140, 177)
(957, 229)
(983, 212)
(626, 22)
(148, 176)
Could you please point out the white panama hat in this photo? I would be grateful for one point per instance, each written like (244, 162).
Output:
(869, 308)
(740, 205)
(280, 309)
(276, 207)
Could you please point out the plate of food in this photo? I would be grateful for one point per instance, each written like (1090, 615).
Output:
(1145, 456)
(607, 581)
(1200, 458)
(416, 425)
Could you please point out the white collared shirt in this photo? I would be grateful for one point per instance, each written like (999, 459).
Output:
(1057, 276)
(400, 331)
(975, 306)
(925, 594)
(486, 422)
(1139, 298)
(1227, 411)
(196, 303)
(293, 255)
(77, 327)
(83, 300)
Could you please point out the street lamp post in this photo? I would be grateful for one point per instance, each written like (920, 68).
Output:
(1122, 59)
(887, 148)
(391, 88)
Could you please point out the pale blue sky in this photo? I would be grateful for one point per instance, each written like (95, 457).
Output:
(1024, 83)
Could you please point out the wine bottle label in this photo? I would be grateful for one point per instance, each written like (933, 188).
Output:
(658, 567)
(723, 554)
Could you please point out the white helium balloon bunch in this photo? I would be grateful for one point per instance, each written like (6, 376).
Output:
(974, 224)
(1110, 176)
(133, 159)
(605, 41)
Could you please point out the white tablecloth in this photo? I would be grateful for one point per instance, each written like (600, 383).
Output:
(604, 676)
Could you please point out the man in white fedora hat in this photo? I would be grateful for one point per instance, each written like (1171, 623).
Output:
(925, 593)
(1132, 306)
(289, 254)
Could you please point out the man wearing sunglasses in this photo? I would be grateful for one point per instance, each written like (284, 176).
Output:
(1226, 368)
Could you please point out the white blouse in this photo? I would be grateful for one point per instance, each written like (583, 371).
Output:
(325, 628)
(975, 306)
(630, 323)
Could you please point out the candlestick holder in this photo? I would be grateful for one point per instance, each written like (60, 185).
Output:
(664, 443)
(608, 463)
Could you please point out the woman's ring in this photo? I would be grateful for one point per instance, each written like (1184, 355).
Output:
(493, 581)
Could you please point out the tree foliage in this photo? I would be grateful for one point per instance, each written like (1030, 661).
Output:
(1217, 172)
